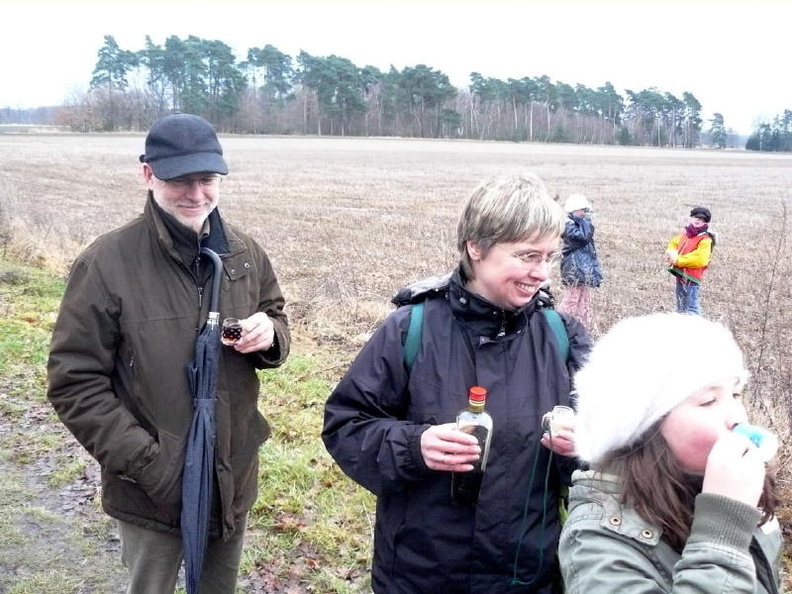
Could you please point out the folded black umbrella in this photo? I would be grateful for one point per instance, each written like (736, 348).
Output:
(200, 455)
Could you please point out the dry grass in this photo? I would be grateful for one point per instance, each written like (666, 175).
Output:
(348, 221)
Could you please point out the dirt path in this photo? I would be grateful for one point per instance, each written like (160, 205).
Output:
(57, 540)
(54, 539)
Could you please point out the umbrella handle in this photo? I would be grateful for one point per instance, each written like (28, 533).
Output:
(217, 277)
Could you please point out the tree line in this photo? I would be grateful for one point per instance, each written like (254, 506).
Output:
(773, 136)
(270, 92)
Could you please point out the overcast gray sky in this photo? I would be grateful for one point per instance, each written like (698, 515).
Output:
(732, 55)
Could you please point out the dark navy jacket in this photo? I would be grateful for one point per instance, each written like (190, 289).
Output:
(580, 264)
(376, 415)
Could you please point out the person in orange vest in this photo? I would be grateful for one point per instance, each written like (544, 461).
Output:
(688, 256)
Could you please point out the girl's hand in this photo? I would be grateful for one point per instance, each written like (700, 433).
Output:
(735, 469)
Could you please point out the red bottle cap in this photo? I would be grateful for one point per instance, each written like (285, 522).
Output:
(477, 394)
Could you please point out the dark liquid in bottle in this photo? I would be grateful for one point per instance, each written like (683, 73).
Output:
(465, 486)
(231, 334)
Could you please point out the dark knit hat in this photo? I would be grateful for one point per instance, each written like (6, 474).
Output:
(701, 212)
(181, 144)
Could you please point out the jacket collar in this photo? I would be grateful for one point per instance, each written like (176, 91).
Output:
(182, 241)
(605, 489)
(484, 317)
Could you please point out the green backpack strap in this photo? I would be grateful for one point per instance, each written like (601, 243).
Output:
(562, 342)
(412, 343)
(559, 330)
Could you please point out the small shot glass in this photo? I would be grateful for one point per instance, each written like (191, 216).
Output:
(562, 417)
(231, 331)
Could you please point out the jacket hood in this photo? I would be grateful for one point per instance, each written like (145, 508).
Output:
(473, 310)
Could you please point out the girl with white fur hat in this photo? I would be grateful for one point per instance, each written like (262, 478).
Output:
(674, 499)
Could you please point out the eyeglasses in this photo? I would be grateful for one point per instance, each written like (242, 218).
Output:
(183, 183)
(533, 259)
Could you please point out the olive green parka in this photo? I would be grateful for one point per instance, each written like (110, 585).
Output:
(606, 547)
(124, 336)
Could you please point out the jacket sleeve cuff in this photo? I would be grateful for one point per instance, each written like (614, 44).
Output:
(273, 356)
(722, 520)
(415, 448)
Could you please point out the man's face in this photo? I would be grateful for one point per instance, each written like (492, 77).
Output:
(188, 199)
(697, 222)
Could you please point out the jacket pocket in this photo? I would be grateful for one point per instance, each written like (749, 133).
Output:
(162, 477)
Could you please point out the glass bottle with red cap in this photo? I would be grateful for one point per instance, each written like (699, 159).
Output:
(474, 420)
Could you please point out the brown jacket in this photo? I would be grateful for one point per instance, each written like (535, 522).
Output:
(117, 367)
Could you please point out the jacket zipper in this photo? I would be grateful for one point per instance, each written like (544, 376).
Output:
(502, 331)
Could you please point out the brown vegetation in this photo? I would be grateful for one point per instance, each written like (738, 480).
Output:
(347, 222)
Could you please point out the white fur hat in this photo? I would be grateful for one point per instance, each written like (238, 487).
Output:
(640, 370)
(577, 202)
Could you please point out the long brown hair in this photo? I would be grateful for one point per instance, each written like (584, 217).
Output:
(661, 492)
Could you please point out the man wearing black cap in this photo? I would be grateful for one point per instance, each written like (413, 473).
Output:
(688, 256)
(126, 331)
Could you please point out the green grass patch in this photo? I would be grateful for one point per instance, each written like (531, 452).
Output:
(41, 514)
(11, 493)
(38, 442)
(47, 582)
(12, 409)
(305, 503)
(30, 299)
(67, 470)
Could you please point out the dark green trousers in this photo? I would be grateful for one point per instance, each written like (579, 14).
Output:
(154, 558)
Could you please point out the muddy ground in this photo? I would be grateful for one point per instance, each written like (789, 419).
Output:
(51, 534)
(57, 539)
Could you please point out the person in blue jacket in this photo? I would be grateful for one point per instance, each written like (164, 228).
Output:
(390, 426)
(580, 267)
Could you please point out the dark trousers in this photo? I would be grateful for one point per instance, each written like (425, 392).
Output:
(153, 560)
